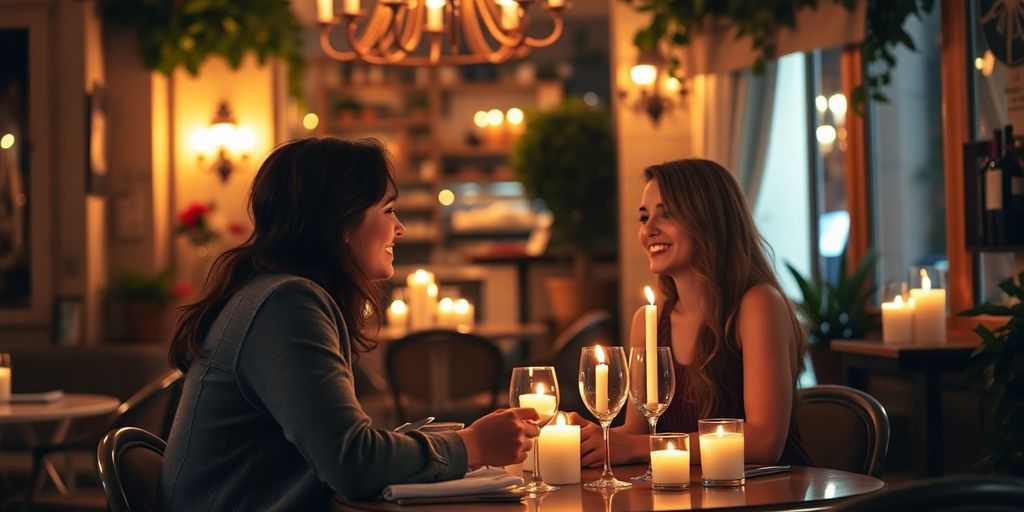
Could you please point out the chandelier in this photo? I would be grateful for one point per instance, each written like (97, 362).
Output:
(433, 32)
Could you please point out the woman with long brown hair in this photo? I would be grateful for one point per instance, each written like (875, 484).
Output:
(269, 418)
(737, 345)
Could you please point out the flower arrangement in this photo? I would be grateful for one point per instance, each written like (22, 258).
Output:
(194, 224)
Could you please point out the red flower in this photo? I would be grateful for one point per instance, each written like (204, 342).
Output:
(192, 215)
(236, 229)
(182, 290)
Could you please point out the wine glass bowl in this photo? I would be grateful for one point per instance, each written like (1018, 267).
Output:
(535, 387)
(651, 396)
(604, 387)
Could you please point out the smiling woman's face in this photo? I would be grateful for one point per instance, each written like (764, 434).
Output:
(665, 241)
(373, 242)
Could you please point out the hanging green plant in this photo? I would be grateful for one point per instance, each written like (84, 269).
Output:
(187, 32)
(673, 22)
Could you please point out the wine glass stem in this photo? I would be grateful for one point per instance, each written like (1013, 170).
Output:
(536, 462)
(607, 473)
(653, 422)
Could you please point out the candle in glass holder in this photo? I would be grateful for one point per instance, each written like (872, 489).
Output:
(721, 452)
(670, 461)
(560, 452)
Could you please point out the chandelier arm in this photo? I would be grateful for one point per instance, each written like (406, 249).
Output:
(329, 49)
(482, 51)
(556, 32)
(363, 45)
(406, 37)
(372, 32)
(492, 25)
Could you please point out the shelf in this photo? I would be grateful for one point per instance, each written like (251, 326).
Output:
(488, 233)
(464, 151)
(362, 124)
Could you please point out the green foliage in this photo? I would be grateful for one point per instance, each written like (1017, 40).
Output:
(673, 22)
(566, 156)
(129, 286)
(996, 368)
(838, 311)
(187, 32)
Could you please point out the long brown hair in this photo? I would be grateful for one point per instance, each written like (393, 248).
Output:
(306, 197)
(730, 257)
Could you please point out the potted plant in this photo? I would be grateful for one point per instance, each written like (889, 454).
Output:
(996, 369)
(145, 303)
(836, 311)
(566, 157)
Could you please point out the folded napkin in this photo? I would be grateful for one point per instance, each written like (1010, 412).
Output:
(486, 484)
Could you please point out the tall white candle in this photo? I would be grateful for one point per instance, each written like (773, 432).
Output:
(601, 385)
(5, 384)
(670, 466)
(421, 304)
(540, 401)
(651, 345)
(560, 452)
(435, 16)
(929, 312)
(721, 455)
(898, 321)
(324, 11)
(350, 7)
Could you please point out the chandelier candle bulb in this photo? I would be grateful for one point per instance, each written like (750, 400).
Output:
(324, 11)
(556, 4)
(560, 452)
(651, 345)
(509, 15)
(929, 312)
(435, 16)
(350, 7)
(898, 321)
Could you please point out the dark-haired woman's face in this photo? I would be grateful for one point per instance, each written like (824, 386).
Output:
(373, 242)
(665, 241)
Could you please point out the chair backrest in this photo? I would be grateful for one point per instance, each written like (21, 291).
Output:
(843, 428)
(962, 493)
(153, 406)
(594, 327)
(443, 368)
(129, 461)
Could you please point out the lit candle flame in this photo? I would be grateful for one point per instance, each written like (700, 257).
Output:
(541, 390)
(560, 419)
(600, 354)
(720, 431)
(898, 300)
(926, 283)
(399, 307)
(650, 294)
(671, 446)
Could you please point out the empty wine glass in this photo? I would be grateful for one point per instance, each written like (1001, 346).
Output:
(652, 384)
(604, 385)
(535, 387)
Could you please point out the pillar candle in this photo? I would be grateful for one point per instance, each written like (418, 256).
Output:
(670, 466)
(324, 11)
(929, 312)
(446, 313)
(509, 14)
(464, 313)
(5, 384)
(350, 7)
(560, 452)
(651, 345)
(398, 314)
(898, 321)
(601, 385)
(421, 311)
(721, 455)
(540, 401)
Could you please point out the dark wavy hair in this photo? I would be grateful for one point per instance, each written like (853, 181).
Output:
(730, 257)
(306, 197)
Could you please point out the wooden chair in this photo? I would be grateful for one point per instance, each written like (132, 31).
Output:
(452, 375)
(129, 461)
(594, 327)
(843, 428)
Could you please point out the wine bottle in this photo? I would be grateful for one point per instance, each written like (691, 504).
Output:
(1015, 219)
(993, 187)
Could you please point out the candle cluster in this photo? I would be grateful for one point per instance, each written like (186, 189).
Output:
(422, 309)
(5, 378)
(920, 319)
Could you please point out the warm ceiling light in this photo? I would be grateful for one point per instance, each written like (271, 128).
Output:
(656, 96)
(7, 141)
(446, 197)
(514, 116)
(433, 32)
(643, 74)
(310, 121)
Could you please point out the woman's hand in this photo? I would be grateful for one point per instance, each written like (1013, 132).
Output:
(623, 446)
(501, 438)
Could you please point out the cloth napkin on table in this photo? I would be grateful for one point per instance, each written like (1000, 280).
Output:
(485, 484)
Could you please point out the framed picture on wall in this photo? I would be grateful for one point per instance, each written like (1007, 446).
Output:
(96, 135)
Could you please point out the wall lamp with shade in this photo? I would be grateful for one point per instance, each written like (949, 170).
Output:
(223, 142)
(655, 86)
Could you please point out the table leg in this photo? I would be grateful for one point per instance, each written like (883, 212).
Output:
(60, 432)
(928, 423)
(853, 376)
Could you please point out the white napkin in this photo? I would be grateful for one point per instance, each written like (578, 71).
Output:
(482, 482)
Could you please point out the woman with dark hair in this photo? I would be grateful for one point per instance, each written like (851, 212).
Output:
(737, 344)
(269, 418)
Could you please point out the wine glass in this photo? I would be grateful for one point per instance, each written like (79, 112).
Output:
(652, 384)
(535, 387)
(604, 384)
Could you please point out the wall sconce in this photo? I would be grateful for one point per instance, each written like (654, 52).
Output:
(656, 87)
(222, 141)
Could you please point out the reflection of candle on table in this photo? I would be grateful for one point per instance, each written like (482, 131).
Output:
(5, 384)
(721, 455)
(670, 466)
(651, 345)
(560, 452)
(540, 401)
(601, 387)
(929, 312)
(898, 321)
(398, 314)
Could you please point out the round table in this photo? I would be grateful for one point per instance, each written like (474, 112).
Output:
(63, 410)
(802, 488)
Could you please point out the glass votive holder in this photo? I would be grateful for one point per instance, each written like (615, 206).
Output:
(670, 461)
(5, 377)
(721, 452)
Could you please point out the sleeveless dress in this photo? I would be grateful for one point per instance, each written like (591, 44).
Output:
(682, 414)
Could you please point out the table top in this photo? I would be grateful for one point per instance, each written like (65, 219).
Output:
(71, 405)
(898, 351)
(804, 487)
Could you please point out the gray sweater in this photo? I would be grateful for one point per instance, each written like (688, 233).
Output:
(269, 418)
